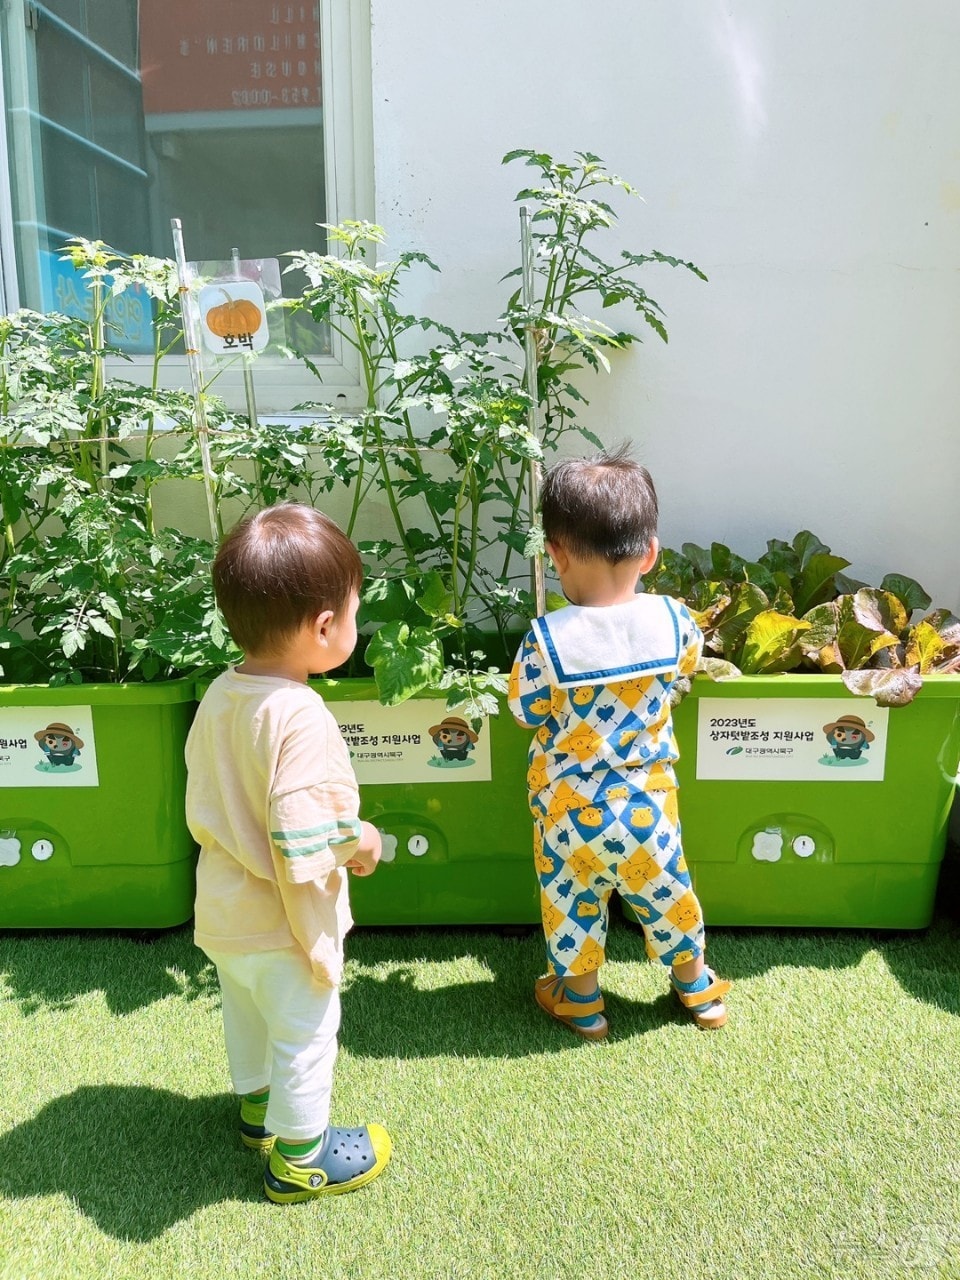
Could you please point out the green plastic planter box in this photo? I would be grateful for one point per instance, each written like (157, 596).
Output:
(93, 835)
(853, 842)
(821, 840)
(458, 850)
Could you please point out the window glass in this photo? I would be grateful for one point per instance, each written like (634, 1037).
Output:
(122, 115)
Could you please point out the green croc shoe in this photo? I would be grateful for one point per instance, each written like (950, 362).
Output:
(348, 1158)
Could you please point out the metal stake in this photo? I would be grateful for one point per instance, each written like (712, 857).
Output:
(247, 371)
(533, 393)
(191, 340)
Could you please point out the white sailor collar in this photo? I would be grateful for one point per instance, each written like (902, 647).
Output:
(584, 644)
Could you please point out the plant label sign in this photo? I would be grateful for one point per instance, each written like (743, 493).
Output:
(418, 741)
(47, 747)
(791, 739)
(233, 317)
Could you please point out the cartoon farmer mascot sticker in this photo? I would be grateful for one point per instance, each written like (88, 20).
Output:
(454, 740)
(849, 738)
(60, 745)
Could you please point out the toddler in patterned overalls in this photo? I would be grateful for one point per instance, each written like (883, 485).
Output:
(594, 680)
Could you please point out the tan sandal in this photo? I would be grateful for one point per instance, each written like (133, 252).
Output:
(551, 995)
(714, 1014)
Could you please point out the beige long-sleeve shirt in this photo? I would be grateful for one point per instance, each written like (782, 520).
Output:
(272, 801)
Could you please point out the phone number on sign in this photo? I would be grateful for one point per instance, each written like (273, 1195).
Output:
(270, 98)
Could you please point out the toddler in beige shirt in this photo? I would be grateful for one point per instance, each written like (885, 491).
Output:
(273, 803)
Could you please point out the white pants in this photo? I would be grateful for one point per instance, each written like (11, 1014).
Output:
(280, 1028)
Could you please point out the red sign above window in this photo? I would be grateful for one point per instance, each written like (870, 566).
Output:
(229, 55)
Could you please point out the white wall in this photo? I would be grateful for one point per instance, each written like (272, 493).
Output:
(806, 157)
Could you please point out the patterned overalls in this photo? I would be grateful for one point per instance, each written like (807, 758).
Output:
(595, 683)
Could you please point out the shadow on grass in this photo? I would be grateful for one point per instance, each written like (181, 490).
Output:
(128, 1157)
(52, 970)
(395, 1014)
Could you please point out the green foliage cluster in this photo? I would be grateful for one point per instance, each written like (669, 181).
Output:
(88, 573)
(794, 609)
(97, 584)
(444, 436)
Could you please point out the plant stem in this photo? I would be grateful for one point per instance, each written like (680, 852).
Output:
(519, 494)
(369, 362)
(359, 492)
(475, 501)
(98, 381)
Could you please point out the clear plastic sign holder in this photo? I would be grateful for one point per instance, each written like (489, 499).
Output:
(230, 311)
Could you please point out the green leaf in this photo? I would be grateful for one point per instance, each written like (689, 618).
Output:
(909, 592)
(725, 564)
(807, 544)
(521, 153)
(879, 610)
(746, 603)
(405, 661)
(110, 606)
(534, 545)
(656, 325)
(771, 643)
(780, 558)
(925, 647)
(218, 631)
(819, 642)
(847, 586)
(100, 625)
(860, 631)
(700, 558)
(71, 641)
(816, 582)
(433, 596)
(148, 467)
(386, 600)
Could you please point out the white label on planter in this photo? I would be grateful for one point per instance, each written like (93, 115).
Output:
(47, 747)
(419, 741)
(797, 739)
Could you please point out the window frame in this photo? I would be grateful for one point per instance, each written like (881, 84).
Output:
(348, 175)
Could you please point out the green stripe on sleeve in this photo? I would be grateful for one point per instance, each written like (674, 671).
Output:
(309, 831)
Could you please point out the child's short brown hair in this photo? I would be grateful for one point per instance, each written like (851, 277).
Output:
(601, 507)
(280, 568)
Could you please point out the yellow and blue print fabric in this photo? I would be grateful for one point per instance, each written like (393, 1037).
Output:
(588, 728)
(624, 840)
(601, 778)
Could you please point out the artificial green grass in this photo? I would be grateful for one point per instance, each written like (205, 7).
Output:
(816, 1135)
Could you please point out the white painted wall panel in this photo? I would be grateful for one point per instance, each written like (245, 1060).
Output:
(806, 156)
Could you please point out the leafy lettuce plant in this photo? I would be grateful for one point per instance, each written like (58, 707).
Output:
(794, 609)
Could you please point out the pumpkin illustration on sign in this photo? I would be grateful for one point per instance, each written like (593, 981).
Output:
(234, 318)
